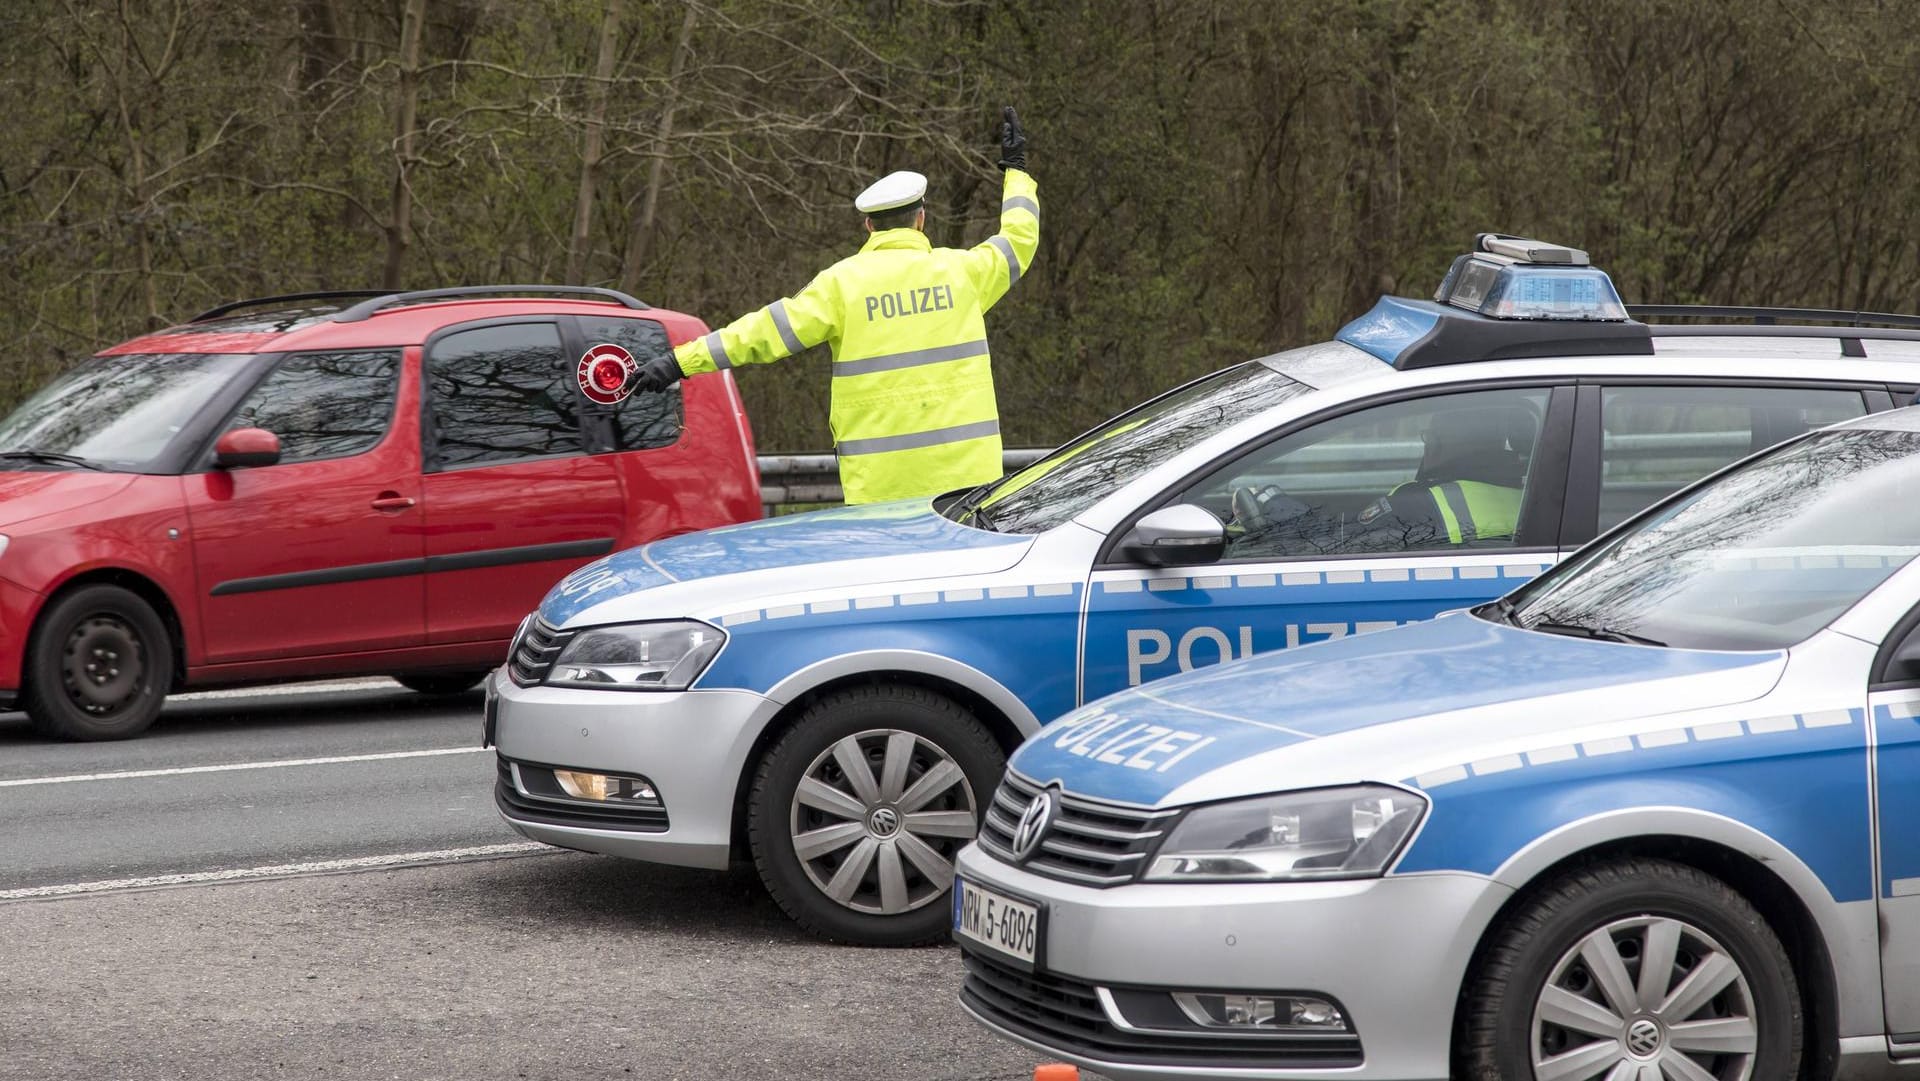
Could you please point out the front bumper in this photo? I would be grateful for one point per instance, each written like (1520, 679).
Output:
(689, 744)
(1391, 952)
(18, 606)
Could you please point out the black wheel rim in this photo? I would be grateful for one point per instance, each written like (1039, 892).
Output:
(103, 666)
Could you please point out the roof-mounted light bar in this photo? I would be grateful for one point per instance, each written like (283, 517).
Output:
(1511, 277)
(1529, 251)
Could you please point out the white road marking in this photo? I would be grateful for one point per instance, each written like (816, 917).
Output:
(283, 870)
(124, 775)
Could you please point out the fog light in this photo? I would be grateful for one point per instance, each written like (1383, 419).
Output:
(1266, 1013)
(601, 788)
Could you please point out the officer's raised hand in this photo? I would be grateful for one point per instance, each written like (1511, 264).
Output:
(656, 373)
(1013, 141)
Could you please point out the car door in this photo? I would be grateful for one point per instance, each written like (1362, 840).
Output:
(321, 552)
(1342, 526)
(513, 500)
(667, 486)
(1894, 706)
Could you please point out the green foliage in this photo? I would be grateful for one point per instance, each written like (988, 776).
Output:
(1220, 179)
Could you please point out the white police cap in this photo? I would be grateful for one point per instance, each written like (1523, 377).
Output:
(892, 192)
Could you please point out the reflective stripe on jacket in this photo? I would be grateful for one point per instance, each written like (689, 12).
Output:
(913, 409)
(1473, 511)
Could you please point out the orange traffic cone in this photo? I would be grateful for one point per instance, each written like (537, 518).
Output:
(1056, 1071)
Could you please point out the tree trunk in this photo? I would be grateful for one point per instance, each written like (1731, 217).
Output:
(400, 219)
(590, 157)
(643, 222)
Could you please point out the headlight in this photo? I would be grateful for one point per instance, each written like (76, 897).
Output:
(638, 656)
(1351, 832)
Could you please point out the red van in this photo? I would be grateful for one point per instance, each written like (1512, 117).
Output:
(339, 484)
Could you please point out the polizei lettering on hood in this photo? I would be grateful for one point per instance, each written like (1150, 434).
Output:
(933, 298)
(1112, 739)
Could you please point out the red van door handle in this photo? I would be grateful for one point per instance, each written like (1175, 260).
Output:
(391, 501)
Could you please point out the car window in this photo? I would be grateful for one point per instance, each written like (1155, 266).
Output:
(500, 393)
(1432, 474)
(1051, 491)
(643, 421)
(324, 405)
(1657, 440)
(122, 410)
(1759, 559)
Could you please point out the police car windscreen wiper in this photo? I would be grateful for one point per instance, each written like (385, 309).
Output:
(51, 456)
(1599, 634)
(968, 511)
(978, 518)
(1500, 610)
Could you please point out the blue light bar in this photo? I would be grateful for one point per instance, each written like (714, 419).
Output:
(1394, 324)
(1501, 287)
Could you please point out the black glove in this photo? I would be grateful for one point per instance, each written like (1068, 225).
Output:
(656, 373)
(1013, 141)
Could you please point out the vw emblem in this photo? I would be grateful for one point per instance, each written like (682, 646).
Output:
(1643, 1038)
(884, 822)
(1034, 822)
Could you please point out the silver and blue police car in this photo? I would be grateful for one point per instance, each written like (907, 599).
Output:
(834, 694)
(1653, 815)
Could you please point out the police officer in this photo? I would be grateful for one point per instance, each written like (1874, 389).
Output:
(913, 410)
(1467, 489)
(1468, 486)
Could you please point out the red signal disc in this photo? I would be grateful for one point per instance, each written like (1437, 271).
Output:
(606, 374)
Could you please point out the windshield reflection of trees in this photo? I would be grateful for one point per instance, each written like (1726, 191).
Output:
(1670, 580)
(324, 405)
(121, 408)
(1078, 476)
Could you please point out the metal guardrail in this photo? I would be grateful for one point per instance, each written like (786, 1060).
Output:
(1668, 458)
(809, 479)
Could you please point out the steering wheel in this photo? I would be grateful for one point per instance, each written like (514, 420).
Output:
(1247, 511)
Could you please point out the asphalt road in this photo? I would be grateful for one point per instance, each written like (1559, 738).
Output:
(314, 884)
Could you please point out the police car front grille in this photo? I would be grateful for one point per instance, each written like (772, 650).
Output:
(1094, 844)
(1064, 1014)
(534, 652)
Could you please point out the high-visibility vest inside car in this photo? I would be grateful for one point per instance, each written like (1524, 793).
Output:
(1471, 510)
(913, 409)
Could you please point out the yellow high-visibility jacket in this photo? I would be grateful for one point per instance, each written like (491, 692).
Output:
(913, 409)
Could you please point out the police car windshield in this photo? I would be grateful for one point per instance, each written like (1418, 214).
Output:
(1052, 490)
(1760, 559)
(116, 412)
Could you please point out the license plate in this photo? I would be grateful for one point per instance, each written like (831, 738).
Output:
(994, 920)
(492, 710)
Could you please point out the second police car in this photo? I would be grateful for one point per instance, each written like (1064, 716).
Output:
(834, 693)
(1651, 816)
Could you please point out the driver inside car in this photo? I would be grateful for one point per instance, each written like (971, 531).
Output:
(1466, 492)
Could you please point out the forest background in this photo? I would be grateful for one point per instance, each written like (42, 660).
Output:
(1219, 179)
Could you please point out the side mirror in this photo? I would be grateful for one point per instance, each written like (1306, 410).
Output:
(1904, 665)
(1176, 536)
(244, 447)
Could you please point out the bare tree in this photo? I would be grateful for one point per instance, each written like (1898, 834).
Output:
(636, 256)
(597, 92)
(406, 106)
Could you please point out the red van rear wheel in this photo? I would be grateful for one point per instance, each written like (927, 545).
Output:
(99, 665)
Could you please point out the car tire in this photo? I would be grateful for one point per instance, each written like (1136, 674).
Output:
(869, 861)
(1541, 991)
(440, 683)
(99, 665)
